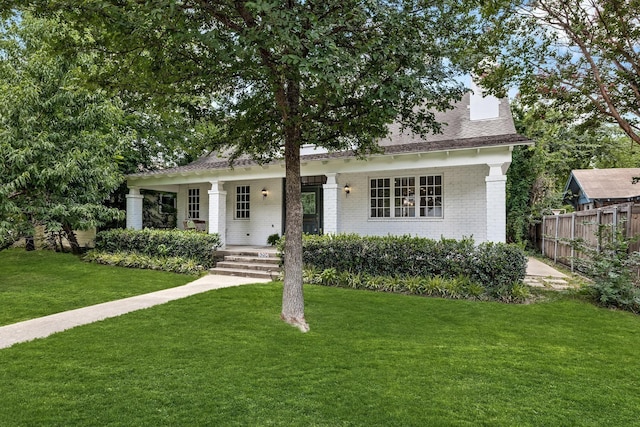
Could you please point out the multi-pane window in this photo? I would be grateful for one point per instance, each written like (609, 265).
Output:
(242, 201)
(193, 203)
(381, 198)
(412, 197)
(404, 200)
(431, 196)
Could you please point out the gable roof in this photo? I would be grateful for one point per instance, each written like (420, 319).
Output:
(605, 183)
(458, 132)
(457, 124)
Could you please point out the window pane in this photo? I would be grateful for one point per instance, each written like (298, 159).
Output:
(308, 203)
(431, 196)
(405, 198)
(193, 203)
(243, 202)
(380, 195)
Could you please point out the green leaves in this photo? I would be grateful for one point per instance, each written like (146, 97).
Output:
(58, 139)
(577, 55)
(356, 66)
(191, 245)
(493, 265)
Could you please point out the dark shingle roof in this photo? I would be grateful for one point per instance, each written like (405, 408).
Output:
(213, 161)
(458, 132)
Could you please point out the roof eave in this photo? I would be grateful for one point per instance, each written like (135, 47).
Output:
(388, 151)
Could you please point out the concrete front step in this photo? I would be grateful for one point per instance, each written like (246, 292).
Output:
(262, 263)
(257, 274)
(252, 259)
(247, 266)
(270, 253)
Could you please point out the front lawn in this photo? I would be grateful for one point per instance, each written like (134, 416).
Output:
(225, 358)
(38, 283)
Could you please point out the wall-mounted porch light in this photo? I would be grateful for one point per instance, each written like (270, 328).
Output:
(264, 193)
(347, 189)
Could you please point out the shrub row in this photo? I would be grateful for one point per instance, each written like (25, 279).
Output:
(187, 244)
(137, 260)
(493, 265)
(461, 287)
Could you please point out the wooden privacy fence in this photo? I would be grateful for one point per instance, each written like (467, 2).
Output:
(558, 231)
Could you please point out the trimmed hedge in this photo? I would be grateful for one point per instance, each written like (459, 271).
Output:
(493, 265)
(185, 244)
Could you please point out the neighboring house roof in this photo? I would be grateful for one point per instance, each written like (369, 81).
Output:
(458, 132)
(587, 185)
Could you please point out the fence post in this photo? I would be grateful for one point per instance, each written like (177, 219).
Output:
(555, 246)
(573, 236)
(598, 235)
(627, 232)
(615, 225)
(544, 248)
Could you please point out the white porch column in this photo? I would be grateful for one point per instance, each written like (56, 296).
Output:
(330, 194)
(134, 208)
(496, 202)
(218, 211)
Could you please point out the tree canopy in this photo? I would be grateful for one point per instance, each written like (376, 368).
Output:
(580, 55)
(59, 143)
(274, 75)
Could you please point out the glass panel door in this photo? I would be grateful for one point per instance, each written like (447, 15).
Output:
(310, 211)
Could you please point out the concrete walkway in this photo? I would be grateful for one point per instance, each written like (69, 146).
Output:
(44, 326)
(541, 275)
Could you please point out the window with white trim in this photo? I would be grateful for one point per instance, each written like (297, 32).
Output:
(413, 197)
(404, 200)
(243, 199)
(431, 196)
(380, 198)
(193, 203)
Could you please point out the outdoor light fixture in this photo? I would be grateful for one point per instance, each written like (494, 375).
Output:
(347, 189)
(264, 193)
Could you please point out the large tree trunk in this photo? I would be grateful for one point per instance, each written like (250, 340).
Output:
(293, 296)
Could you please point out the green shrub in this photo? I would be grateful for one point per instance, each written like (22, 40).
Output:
(137, 260)
(613, 268)
(272, 240)
(494, 265)
(190, 245)
(461, 287)
(497, 265)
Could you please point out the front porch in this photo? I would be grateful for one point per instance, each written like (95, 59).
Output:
(452, 194)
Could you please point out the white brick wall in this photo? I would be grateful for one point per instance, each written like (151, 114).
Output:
(266, 213)
(464, 206)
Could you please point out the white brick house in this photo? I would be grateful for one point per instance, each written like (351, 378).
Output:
(448, 185)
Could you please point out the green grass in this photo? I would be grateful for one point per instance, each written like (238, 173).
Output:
(38, 283)
(371, 359)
